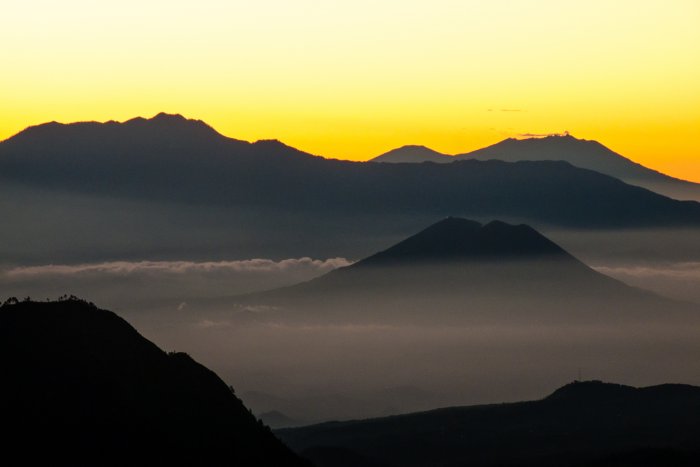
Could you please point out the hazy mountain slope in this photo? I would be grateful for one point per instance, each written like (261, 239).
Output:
(82, 387)
(581, 424)
(460, 271)
(170, 186)
(578, 152)
(413, 153)
(588, 155)
(167, 158)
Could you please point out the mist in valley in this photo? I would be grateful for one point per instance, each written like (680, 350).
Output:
(346, 357)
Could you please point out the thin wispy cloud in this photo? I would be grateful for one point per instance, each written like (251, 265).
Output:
(683, 271)
(677, 280)
(181, 267)
(539, 135)
(111, 283)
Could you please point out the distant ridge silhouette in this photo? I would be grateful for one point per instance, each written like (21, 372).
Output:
(81, 387)
(586, 423)
(581, 153)
(162, 125)
(182, 188)
(413, 153)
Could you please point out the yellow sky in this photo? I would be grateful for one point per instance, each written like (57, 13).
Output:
(352, 79)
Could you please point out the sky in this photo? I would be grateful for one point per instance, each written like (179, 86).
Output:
(353, 79)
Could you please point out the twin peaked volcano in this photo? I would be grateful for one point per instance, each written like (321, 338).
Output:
(456, 239)
(459, 270)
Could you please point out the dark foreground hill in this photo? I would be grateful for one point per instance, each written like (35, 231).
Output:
(460, 271)
(81, 387)
(169, 187)
(581, 424)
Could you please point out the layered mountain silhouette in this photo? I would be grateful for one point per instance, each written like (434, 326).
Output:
(152, 158)
(581, 424)
(578, 152)
(458, 270)
(413, 153)
(81, 387)
(168, 186)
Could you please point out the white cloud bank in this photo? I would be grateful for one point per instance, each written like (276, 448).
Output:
(126, 285)
(676, 280)
(681, 271)
(182, 267)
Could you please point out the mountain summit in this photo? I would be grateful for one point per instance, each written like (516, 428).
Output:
(134, 132)
(583, 153)
(413, 153)
(586, 154)
(458, 271)
(456, 239)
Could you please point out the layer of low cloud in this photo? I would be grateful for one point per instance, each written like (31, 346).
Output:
(176, 285)
(312, 371)
(181, 267)
(677, 280)
(682, 271)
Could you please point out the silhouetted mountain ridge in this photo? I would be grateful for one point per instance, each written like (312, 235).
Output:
(152, 187)
(457, 239)
(139, 143)
(581, 424)
(413, 153)
(82, 387)
(172, 126)
(587, 154)
(589, 392)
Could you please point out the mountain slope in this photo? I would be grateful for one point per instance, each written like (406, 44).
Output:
(456, 239)
(581, 424)
(459, 271)
(578, 152)
(587, 155)
(82, 387)
(169, 188)
(412, 153)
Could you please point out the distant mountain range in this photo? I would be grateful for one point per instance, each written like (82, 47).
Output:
(81, 387)
(578, 152)
(285, 412)
(414, 154)
(460, 271)
(581, 424)
(172, 188)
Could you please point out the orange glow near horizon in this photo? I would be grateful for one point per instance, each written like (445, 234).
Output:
(352, 80)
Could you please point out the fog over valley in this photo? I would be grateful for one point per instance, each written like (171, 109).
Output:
(355, 348)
